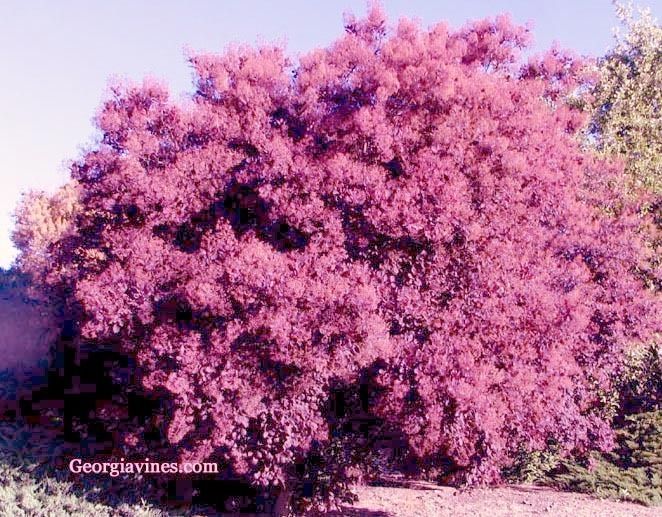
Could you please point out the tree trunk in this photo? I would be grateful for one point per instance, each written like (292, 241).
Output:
(282, 502)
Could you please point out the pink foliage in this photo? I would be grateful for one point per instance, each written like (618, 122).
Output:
(413, 196)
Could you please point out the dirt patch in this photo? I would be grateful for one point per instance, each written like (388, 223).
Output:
(428, 500)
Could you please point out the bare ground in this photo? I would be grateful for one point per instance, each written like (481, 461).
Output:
(428, 500)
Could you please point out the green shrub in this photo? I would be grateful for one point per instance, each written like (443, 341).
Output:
(633, 471)
(640, 385)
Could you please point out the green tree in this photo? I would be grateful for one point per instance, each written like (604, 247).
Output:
(627, 100)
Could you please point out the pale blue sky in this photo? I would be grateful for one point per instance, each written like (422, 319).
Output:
(57, 56)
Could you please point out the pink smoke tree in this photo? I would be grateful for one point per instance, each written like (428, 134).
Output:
(407, 197)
